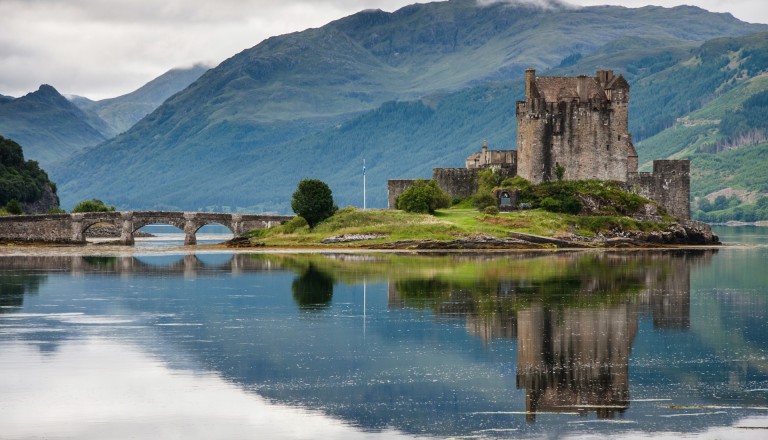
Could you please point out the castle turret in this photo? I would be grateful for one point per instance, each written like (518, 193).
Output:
(530, 79)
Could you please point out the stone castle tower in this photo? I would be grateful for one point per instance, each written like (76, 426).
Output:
(579, 123)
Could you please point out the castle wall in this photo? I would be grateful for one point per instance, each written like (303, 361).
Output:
(457, 182)
(586, 134)
(669, 185)
(395, 187)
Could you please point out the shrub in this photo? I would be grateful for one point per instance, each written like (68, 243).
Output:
(14, 207)
(571, 205)
(491, 210)
(424, 196)
(313, 200)
(93, 205)
(482, 200)
(295, 224)
(550, 204)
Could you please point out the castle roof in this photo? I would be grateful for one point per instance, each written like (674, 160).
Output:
(617, 82)
(559, 88)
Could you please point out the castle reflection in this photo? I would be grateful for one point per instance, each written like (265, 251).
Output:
(574, 324)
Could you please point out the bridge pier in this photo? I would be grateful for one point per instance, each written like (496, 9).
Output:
(78, 234)
(126, 230)
(190, 228)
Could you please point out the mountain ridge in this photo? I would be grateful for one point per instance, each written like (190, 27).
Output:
(273, 110)
(49, 126)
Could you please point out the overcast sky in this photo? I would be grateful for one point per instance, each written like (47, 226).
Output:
(105, 48)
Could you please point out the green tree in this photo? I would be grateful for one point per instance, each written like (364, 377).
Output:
(19, 179)
(313, 200)
(424, 196)
(93, 205)
(489, 179)
(14, 207)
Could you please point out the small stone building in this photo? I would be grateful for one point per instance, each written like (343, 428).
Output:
(494, 159)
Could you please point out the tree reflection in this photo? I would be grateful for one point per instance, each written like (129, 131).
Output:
(13, 287)
(313, 290)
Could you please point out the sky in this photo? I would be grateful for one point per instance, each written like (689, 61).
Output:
(106, 48)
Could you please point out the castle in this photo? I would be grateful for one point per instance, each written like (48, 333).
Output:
(578, 124)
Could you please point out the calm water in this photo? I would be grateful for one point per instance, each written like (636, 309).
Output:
(526, 345)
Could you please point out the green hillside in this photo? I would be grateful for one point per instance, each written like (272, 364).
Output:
(719, 124)
(122, 112)
(48, 125)
(407, 91)
(21, 180)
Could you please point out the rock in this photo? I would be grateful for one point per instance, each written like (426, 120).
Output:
(346, 238)
(45, 204)
(243, 242)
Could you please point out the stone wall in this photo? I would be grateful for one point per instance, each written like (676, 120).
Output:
(395, 187)
(53, 228)
(457, 182)
(669, 185)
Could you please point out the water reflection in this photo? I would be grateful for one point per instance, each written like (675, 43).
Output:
(574, 323)
(313, 289)
(13, 287)
(444, 345)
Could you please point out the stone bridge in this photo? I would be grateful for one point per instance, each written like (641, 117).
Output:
(70, 228)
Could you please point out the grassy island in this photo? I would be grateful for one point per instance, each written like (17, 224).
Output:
(565, 214)
(381, 228)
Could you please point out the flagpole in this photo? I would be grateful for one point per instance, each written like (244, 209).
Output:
(365, 285)
(363, 184)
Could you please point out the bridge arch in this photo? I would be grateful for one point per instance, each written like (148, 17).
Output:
(70, 228)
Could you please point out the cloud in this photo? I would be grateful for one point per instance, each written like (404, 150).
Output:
(101, 49)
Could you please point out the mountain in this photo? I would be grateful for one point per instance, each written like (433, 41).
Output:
(49, 126)
(122, 112)
(406, 90)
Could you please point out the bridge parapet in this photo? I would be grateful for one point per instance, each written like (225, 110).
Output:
(70, 228)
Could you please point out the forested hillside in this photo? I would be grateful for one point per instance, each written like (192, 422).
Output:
(719, 124)
(22, 181)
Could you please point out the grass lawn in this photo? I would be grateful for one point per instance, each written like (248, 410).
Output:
(445, 225)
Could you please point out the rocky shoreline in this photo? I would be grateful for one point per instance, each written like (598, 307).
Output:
(689, 233)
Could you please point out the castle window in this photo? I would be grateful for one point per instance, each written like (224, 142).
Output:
(619, 137)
